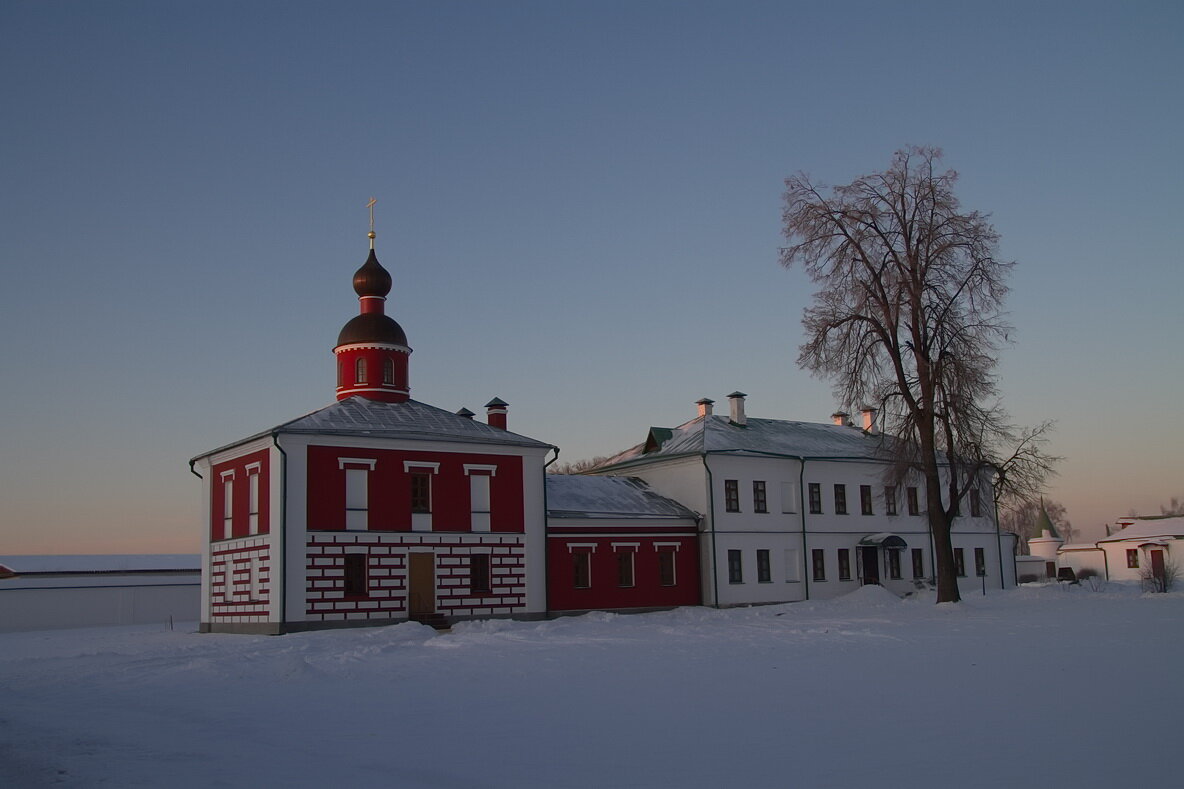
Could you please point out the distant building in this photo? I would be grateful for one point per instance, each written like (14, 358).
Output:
(51, 592)
(1141, 550)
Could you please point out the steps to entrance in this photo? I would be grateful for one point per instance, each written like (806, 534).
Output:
(437, 621)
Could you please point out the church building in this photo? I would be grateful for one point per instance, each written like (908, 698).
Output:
(375, 509)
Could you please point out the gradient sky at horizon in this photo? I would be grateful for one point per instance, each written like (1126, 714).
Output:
(580, 207)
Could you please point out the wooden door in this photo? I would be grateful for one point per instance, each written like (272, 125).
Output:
(870, 561)
(421, 583)
(1157, 567)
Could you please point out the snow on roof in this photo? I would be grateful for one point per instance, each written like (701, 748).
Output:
(1149, 529)
(578, 496)
(410, 419)
(114, 563)
(759, 436)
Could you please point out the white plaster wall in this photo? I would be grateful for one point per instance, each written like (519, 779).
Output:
(535, 524)
(1085, 560)
(50, 609)
(683, 480)
(779, 590)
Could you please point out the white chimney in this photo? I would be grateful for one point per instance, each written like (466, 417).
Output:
(839, 418)
(736, 401)
(869, 419)
(704, 406)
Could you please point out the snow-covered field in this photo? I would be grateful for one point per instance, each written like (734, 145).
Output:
(1042, 686)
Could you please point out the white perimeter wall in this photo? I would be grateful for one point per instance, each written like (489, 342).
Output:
(51, 609)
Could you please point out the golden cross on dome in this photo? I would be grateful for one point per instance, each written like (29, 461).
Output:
(371, 234)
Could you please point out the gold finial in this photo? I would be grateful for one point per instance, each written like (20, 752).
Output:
(371, 235)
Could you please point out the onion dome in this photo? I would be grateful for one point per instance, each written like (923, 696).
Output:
(372, 327)
(372, 279)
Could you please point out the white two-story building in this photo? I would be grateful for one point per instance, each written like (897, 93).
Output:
(799, 510)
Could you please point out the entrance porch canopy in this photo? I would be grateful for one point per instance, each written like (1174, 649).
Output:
(884, 539)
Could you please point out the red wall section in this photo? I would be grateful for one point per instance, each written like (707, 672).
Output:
(241, 504)
(390, 489)
(604, 591)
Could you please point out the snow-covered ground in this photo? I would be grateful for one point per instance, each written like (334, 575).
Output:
(1041, 686)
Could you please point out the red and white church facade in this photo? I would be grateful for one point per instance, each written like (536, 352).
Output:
(375, 509)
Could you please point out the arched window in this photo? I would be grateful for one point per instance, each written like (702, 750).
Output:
(360, 371)
(341, 373)
(388, 371)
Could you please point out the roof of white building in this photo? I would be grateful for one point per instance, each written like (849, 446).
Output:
(411, 419)
(578, 496)
(102, 563)
(717, 433)
(1149, 529)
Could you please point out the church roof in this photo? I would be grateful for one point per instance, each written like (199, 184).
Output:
(579, 496)
(408, 420)
(1044, 523)
(717, 434)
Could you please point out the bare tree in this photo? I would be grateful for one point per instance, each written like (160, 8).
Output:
(1160, 579)
(577, 466)
(908, 316)
(1020, 517)
(1173, 508)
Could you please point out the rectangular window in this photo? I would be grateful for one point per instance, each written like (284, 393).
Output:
(581, 562)
(355, 575)
(255, 582)
(890, 499)
(253, 503)
(357, 508)
(666, 573)
(735, 568)
(910, 494)
(840, 499)
(421, 493)
(479, 502)
(792, 568)
(976, 505)
(764, 571)
(731, 495)
(865, 499)
(624, 568)
(894, 563)
(815, 498)
(818, 562)
(479, 573)
(959, 563)
(844, 564)
(1132, 558)
(918, 563)
(980, 562)
(789, 497)
(759, 500)
(228, 507)
(228, 581)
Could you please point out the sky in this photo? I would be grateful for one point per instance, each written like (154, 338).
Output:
(580, 207)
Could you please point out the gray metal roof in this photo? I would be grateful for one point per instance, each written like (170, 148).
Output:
(578, 496)
(411, 419)
(758, 436)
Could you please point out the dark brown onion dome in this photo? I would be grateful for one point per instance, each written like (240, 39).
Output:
(372, 279)
(372, 327)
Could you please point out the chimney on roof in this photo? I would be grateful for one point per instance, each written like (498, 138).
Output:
(704, 406)
(869, 419)
(839, 418)
(466, 413)
(736, 406)
(495, 413)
